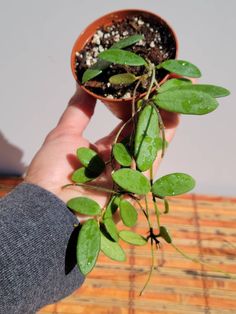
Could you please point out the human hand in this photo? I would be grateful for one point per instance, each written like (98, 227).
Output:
(56, 160)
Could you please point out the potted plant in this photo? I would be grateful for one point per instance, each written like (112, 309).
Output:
(160, 43)
(144, 80)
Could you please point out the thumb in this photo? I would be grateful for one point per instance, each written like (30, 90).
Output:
(79, 111)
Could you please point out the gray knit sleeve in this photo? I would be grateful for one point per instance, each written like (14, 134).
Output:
(36, 267)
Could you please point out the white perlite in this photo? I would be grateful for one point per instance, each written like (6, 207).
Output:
(140, 22)
(96, 39)
(127, 95)
(152, 44)
(100, 48)
(140, 43)
(117, 37)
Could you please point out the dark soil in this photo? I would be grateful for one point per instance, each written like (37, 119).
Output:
(158, 45)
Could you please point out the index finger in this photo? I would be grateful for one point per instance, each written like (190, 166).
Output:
(78, 112)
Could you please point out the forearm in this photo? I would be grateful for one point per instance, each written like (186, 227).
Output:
(35, 227)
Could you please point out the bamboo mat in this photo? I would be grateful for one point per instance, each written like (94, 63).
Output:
(202, 226)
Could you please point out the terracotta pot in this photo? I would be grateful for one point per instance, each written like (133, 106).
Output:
(121, 108)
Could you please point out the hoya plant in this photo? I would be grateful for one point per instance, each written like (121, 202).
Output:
(132, 156)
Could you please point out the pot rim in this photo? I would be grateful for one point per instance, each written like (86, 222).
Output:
(96, 22)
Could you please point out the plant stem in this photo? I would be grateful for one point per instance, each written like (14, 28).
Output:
(123, 126)
(92, 187)
(152, 82)
(151, 174)
(151, 269)
(157, 212)
(133, 116)
(157, 84)
(107, 162)
(152, 249)
(162, 127)
(140, 206)
(134, 98)
(147, 212)
(166, 204)
(195, 260)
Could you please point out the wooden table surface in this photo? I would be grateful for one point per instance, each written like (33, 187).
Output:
(202, 226)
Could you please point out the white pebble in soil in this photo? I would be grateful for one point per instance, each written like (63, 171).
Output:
(141, 43)
(96, 39)
(140, 22)
(116, 37)
(152, 44)
(127, 95)
(100, 48)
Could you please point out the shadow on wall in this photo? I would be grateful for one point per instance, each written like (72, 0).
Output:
(10, 158)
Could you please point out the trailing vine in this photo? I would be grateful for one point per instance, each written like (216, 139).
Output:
(132, 156)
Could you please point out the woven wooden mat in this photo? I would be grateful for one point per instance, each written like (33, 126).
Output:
(202, 226)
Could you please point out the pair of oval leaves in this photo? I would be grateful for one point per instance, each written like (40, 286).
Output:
(146, 142)
(90, 241)
(93, 165)
(135, 182)
(181, 96)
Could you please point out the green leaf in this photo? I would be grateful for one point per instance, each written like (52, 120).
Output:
(85, 155)
(89, 74)
(111, 207)
(167, 207)
(123, 79)
(84, 205)
(165, 234)
(88, 246)
(186, 101)
(212, 90)
(101, 65)
(121, 154)
(128, 213)
(95, 70)
(132, 181)
(132, 237)
(111, 228)
(180, 67)
(173, 184)
(146, 143)
(112, 249)
(160, 144)
(128, 41)
(119, 56)
(174, 83)
(90, 159)
(83, 175)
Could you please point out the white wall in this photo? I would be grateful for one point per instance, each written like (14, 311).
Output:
(36, 82)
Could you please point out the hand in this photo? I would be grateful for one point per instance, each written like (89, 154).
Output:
(54, 163)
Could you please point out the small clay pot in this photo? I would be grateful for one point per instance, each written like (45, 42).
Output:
(121, 108)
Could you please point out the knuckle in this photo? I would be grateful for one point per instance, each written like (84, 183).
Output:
(59, 133)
